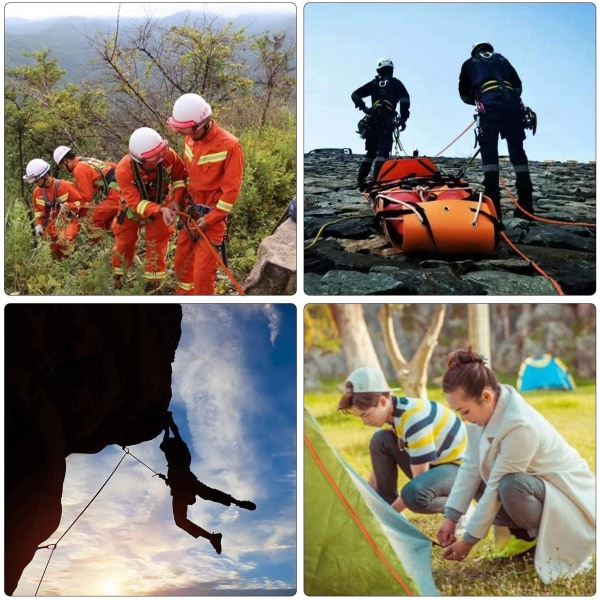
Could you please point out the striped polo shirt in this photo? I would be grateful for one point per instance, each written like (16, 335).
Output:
(429, 431)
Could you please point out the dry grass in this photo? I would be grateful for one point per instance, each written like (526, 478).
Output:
(572, 413)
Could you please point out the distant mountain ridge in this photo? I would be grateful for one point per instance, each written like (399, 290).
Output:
(66, 36)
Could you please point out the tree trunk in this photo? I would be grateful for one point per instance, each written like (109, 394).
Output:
(412, 374)
(479, 330)
(357, 346)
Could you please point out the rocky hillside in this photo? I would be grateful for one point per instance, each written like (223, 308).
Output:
(77, 378)
(354, 258)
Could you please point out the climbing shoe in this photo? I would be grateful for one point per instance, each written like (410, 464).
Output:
(215, 540)
(515, 547)
(246, 504)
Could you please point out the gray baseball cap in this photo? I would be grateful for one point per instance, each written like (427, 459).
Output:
(367, 379)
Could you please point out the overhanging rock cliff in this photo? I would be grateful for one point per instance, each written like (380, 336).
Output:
(77, 379)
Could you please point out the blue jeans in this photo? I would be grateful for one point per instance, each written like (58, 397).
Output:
(427, 493)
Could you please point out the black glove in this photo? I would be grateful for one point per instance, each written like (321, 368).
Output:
(367, 110)
(402, 125)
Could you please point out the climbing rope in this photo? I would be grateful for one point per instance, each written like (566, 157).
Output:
(455, 139)
(192, 222)
(325, 225)
(53, 546)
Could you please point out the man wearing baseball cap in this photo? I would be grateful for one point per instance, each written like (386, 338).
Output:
(426, 439)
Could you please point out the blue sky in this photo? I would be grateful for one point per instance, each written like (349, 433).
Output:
(551, 45)
(234, 399)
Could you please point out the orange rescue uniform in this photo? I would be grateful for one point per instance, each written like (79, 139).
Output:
(137, 210)
(91, 176)
(60, 227)
(215, 165)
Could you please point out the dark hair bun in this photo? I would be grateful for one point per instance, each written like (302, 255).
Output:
(464, 357)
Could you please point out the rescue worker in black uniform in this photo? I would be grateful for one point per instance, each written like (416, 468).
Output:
(490, 82)
(386, 92)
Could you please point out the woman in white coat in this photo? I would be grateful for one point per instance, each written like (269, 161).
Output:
(523, 473)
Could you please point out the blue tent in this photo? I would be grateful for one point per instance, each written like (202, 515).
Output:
(544, 373)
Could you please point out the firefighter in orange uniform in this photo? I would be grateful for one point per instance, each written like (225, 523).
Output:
(57, 206)
(144, 177)
(214, 161)
(93, 176)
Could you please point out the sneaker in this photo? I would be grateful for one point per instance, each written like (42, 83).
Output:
(515, 547)
(246, 504)
(215, 540)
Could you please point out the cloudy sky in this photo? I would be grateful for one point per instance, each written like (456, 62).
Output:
(552, 45)
(43, 10)
(234, 399)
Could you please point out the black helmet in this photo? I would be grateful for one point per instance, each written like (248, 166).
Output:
(482, 47)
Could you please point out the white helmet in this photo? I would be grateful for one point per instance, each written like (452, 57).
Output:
(384, 62)
(190, 112)
(60, 152)
(484, 48)
(36, 169)
(145, 144)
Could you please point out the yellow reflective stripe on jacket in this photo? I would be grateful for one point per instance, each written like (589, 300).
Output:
(493, 84)
(64, 198)
(211, 158)
(224, 206)
(186, 287)
(141, 207)
(188, 152)
(178, 184)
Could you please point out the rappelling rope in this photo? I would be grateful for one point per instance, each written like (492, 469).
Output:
(325, 225)
(192, 222)
(541, 219)
(533, 264)
(55, 544)
(455, 139)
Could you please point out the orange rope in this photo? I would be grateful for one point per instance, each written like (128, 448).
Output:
(533, 264)
(541, 219)
(355, 516)
(455, 139)
(212, 249)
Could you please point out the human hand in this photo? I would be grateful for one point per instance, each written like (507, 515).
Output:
(457, 551)
(445, 535)
(402, 125)
(39, 230)
(167, 215)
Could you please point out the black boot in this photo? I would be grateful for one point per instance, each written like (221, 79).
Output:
(525, 196)
(363, 173)
(491, 188)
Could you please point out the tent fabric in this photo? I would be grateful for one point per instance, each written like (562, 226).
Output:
(545, 372)
(355, 544)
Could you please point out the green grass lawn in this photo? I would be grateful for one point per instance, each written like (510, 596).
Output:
(574, 416)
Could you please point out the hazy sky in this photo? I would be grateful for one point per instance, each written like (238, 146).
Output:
(551, 45)
(45, 10)
(234, 399)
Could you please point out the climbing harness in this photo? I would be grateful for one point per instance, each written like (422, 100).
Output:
(53, 546)
(190, 222)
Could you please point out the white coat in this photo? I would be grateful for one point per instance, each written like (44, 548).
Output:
(518, 439)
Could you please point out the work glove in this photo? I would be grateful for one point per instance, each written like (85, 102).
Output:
(402, 125)
(368, 110)
(39, 230)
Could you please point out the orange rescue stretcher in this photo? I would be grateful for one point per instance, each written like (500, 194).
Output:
(423, 211)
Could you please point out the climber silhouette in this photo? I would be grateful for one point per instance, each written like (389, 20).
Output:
(185, 486)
